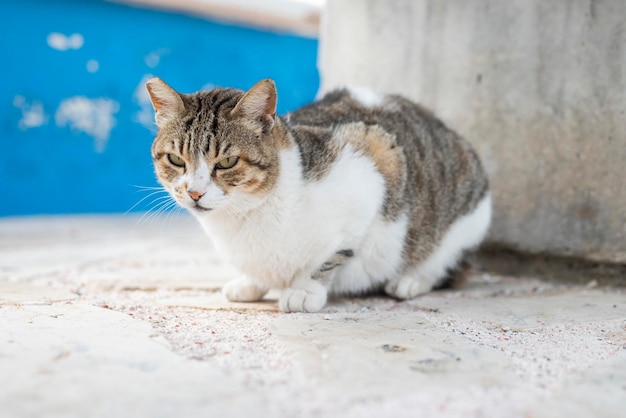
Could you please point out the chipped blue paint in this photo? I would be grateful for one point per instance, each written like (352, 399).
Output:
(75, 125)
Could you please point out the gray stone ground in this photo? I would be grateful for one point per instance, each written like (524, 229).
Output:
(116, 317)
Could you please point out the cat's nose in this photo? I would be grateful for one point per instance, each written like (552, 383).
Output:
(195, 195)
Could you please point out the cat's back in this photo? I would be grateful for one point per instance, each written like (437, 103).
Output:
(431, 174)
(347, 105)
(412, 126)
(343, 117)
(430, 156)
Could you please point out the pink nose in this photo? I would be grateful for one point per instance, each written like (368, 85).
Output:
(195, 195)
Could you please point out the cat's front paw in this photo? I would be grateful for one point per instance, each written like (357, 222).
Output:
(407, 287)
(243, 289)
(306, 296)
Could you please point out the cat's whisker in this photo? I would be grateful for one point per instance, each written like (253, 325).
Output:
(164, 210)
(168, 209)
(158, 202)
(142, 188)
(157, 211)
(143, 218)
(173, 212)
(157, 205)
(144, 198)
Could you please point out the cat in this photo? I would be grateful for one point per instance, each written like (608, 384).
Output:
(354, 193)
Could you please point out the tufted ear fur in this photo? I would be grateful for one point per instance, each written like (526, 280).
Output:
(166, 101)
(259, 103)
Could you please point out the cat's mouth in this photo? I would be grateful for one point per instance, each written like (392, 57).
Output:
(201, 208)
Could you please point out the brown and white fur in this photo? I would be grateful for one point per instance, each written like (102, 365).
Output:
(354, 193)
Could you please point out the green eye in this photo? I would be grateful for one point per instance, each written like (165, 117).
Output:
(227, 162)
(175, 160)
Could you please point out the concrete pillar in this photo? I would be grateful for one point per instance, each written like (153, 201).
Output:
(539, 87)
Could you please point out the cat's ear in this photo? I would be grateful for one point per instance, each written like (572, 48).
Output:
(166, 101)
(259, 103)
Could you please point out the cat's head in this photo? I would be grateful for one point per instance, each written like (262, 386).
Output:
(216, 150)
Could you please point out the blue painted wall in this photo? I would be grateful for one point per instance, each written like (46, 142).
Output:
(75, 124)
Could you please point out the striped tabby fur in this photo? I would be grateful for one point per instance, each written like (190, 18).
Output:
(353, 193)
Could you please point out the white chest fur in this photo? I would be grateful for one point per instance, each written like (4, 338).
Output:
(301, 224)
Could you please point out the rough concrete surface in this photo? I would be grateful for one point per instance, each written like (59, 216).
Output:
(537, 86)
(112, 316)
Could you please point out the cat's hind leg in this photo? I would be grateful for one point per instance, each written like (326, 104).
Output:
(243, 289)
(418, 281)
(408, 286)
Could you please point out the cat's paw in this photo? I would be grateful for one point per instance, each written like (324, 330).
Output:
(243, 289)
(306, 296)
(407, 287)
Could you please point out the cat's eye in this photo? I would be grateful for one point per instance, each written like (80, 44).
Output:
(227, 162)
(175, 160)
